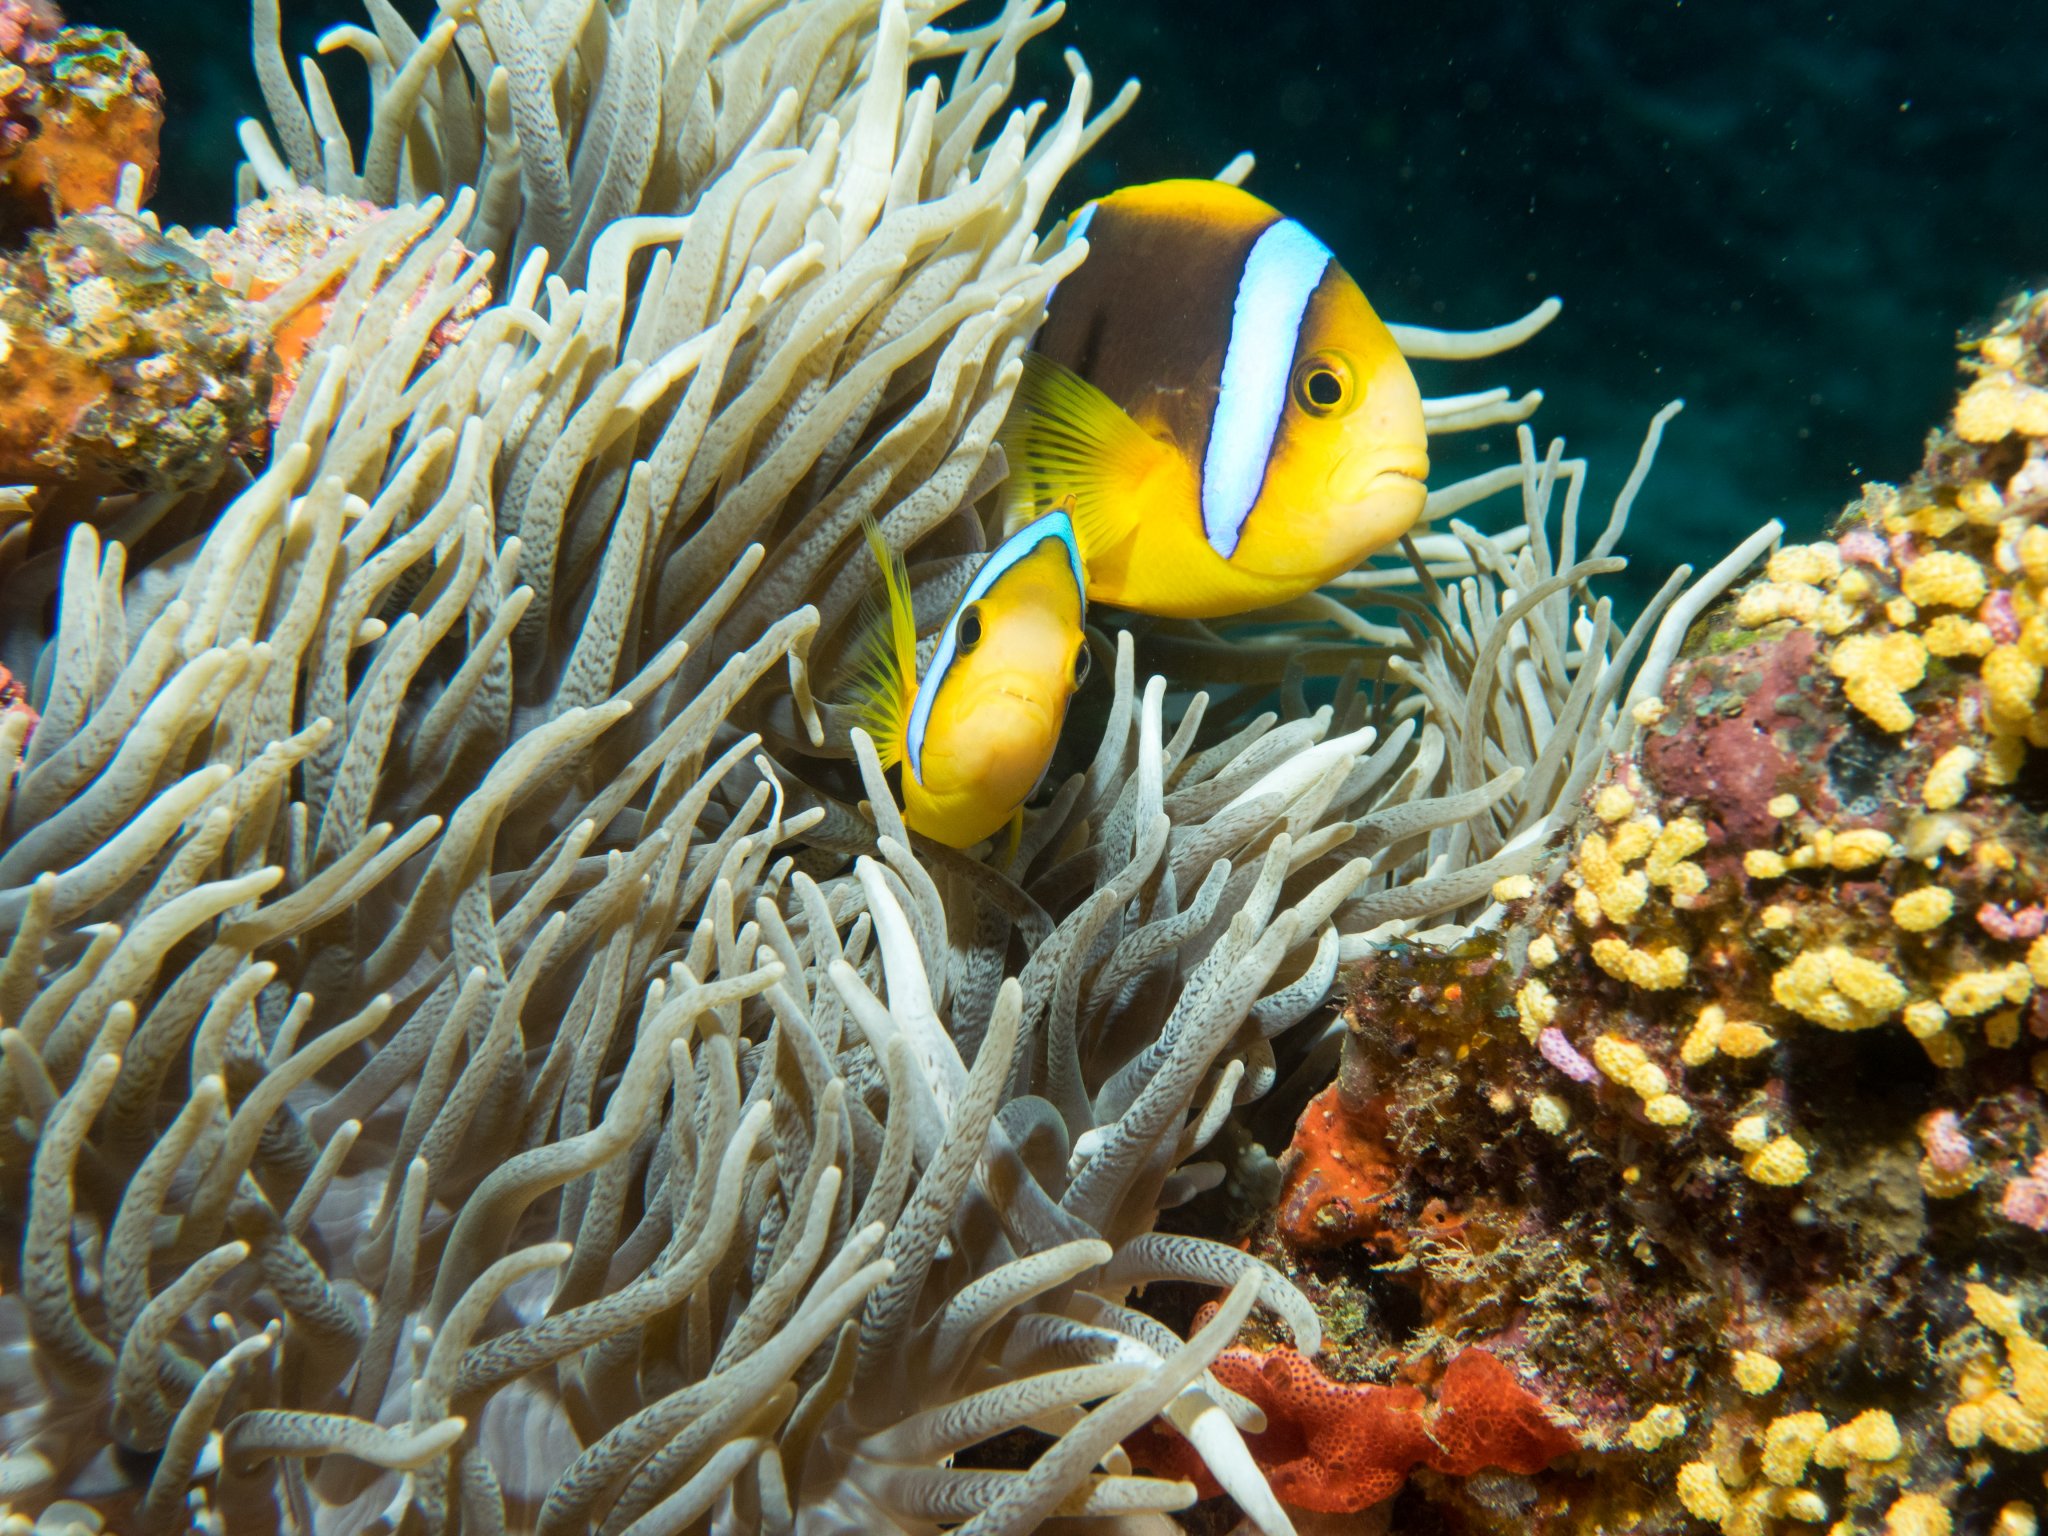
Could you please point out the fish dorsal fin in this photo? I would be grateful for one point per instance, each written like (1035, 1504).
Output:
(1069, 443)
(885, 657)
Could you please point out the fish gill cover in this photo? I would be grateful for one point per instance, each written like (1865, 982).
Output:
(482, 1051)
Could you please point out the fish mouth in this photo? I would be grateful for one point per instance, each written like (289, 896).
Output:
(1035, 702)
(1382, 492)
(1379, 477)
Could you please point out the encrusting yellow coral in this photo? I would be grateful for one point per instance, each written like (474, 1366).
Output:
(1652, 970)
(1917, 1514)
(1925, 909)
(1948, 781)
(1837, 989)
(1876, 673)
(1974, 992)
(1663, 1423)
(1702, 1492)
(1537, 1007)
(1872, 1435)
(1789, 1442)
(1945, 578)
(1780, 1162)
(1755, 1372)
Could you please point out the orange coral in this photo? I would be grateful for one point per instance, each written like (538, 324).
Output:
(76, 104)
(120, 361)
(1335, 1447)
(1338, 1173)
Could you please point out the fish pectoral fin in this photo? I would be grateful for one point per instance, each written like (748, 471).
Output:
(884, 665)
(1070, 445)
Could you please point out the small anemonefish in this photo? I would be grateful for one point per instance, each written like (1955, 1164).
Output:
(975, 733)
(1231, 421)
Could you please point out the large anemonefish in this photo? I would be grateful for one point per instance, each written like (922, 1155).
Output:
(975, 733)
(1230, 420)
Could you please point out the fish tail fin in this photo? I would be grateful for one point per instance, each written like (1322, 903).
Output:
(1070, 444)
(884, 664)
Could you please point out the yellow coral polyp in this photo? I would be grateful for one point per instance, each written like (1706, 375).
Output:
(1685, 880)
(1543, 952)
(1681, 838)
(1947, 1184)
(1756, 1372)
(1780, 1162)
(1763, 864)
(1743, 1040)
(1952, 635)
(2034, 638)
(1925, 909)
(1837, 989)
(1945, 578)
(1917, 1514)
(1586, 907)
(2033, 554)
(1537, 1006)
(1625, 1062)
(1652, 970)
(2009, 1426)
(1703, 1041)
(1876, 671)
(1750, 1133)
(1620, 893)
(2028, 1358)
(1872, 1435)
(1549, 1114)
(1979, 501)
(1513, 888)
(1666, 1109)
(1858, 849)
(1994, 1309)
(1632, 839)
(2011, 681)
(2037, 960)
(1970, 993)
(1801, 1504)
(1865, 982)
(1662, 1424)
(1811, 565)
(1614, 803)
(1948, 781)
(1702, 1492)
(1925, 1019)
(1769, 601)
(1789, 1441)
(1988, 411)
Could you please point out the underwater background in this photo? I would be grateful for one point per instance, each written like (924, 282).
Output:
(1781, 213)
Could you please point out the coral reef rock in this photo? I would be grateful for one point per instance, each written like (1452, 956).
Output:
(1729, 1140)
(78, 105)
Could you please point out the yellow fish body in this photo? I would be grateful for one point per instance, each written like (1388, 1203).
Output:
(975, 733)
(1230, 420)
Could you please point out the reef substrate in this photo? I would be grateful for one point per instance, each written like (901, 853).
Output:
(1726, 1145)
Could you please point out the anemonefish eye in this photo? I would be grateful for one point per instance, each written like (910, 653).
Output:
(1081, 665)
(1322, 385)
(969, 632)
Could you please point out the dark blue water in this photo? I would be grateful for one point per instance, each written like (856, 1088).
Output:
(1784, 213)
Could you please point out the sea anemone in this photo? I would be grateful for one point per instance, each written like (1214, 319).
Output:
(482, 1050)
